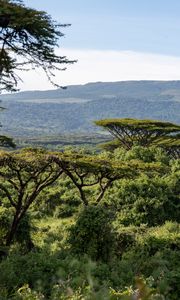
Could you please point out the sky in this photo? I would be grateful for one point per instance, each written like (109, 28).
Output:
(113, 40)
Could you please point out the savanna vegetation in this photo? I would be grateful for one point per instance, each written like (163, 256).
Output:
(82, 224)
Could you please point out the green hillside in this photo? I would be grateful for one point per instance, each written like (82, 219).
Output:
(73, 110)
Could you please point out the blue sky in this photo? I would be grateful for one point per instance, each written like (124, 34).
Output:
(147, 29)
(139, 25)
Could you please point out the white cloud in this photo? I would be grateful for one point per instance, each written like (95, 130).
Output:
(94, 65)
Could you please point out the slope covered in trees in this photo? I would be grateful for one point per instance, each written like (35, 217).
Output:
(73, 110)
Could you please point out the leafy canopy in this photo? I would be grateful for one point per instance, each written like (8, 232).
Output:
(96, 174)
(28, 39)
(25, 174)
(22, 178)
(142, 132)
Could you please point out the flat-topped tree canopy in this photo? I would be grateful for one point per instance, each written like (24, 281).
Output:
(171, 144)
(141, 132)
(88, 171)
(23, 176)
(26, 173)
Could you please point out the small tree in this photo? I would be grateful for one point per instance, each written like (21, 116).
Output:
(28, 38)
(23, 176)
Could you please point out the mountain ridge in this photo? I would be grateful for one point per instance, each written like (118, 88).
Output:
(53, 112)
(122, 85)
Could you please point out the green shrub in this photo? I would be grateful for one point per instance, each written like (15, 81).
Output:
(125, 239)
(146, 200)
(23, 233)
(5, 218)
(93, 233)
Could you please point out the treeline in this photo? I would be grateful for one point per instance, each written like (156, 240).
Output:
(48, 118)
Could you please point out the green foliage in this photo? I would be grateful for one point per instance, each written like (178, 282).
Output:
(125, 239)
(99, 172)
(23, 176)
(28, 38)
(25, 293)
(96, 251)
(57, 112)
(23, 233)
(146, 200)
(138, 126)
(4, 223)
(147, 155)
(59, 274)
(59, 200)
(129, 132)
(55, 262)
(93, 233)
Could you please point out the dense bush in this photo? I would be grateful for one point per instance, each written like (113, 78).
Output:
(147, 200)
(97, 252)
(93, 233)
(4, 223)
(23, 234)
(61, 200)
(149, 253)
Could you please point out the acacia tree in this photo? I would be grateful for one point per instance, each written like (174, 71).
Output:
(128, 132)
(28, 39)
(171, 144)
(92, 176)
(88, 173)
(22, 178)
(24, 175)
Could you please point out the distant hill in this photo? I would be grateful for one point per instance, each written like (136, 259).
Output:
(73, 110)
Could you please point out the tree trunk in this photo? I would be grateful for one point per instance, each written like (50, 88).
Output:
(11, 233)
(82, 195)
